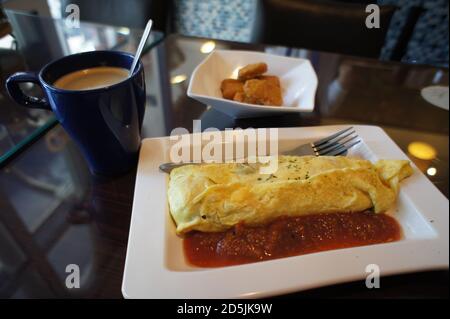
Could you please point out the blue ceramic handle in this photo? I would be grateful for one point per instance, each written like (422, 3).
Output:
(16, 93)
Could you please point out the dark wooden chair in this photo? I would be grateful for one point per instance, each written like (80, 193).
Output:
(130, 13)
(334, 26)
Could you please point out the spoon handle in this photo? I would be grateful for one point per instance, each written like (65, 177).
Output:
(145, 35)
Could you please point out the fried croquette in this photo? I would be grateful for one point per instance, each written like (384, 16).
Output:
(271, 79)
(262, 92)
(253, 87)
(230, 87)
(252, 70)
(239, 96)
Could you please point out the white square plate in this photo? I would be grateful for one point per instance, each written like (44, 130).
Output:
(297, 77)
(155, 266)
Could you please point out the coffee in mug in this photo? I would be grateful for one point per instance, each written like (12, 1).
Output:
(92, 78)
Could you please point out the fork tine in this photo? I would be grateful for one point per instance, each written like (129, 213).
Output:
(329, 138)
(334, 145)
(342, 149)
(334, 142)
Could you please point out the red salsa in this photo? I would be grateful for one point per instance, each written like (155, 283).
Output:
(289, 236)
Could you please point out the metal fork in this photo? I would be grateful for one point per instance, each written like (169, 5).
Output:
(334, 145)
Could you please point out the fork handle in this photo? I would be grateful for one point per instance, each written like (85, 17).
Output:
(168, 167)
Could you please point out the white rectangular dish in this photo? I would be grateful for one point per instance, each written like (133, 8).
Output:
(297, 77)
(156, 268)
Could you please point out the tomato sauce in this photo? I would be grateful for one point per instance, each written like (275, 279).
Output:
(289, 236)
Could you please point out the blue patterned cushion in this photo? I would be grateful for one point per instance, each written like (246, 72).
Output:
(429, 42)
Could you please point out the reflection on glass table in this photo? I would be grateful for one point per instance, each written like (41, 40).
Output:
(35, 41)
(53, 221)
(351, 90)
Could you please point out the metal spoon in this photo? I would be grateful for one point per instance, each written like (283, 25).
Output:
(145, 35)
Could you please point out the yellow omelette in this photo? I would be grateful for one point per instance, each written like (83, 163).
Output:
(215, 197)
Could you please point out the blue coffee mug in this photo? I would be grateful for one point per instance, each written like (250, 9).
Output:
(104, 122)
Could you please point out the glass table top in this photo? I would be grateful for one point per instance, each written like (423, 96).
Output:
(55, 213)
(35, 41)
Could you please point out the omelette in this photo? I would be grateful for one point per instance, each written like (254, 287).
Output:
(215, 197)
